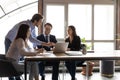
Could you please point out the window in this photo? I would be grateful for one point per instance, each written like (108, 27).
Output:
(94, 20)
(104, 22)
(1, 12)
(104, 27)
(79, 15)
(55, 15)
(103, 46)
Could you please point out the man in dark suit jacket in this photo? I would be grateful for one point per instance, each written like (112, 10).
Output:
(51, 39)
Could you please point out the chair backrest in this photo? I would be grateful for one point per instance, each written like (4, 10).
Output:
(6, 68)
(82, 63)
(2, 56)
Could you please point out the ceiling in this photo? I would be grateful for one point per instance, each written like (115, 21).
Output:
(9, 6)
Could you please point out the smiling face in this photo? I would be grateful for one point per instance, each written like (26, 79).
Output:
(38, 23)
(37, 20)
(48, 29)
(70, 31)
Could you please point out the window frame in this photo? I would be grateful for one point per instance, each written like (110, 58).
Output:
(93, 2)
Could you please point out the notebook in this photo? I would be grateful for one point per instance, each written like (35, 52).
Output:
(60, 47)
(74, 53)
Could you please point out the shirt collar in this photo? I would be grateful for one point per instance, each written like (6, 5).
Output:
(31, 24)
(46, 35)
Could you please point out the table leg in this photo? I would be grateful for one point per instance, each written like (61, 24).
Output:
(87, 70)
(25, 69)
(63, 70)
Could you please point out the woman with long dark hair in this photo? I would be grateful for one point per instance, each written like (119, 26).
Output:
(74, 45)
(20, 48)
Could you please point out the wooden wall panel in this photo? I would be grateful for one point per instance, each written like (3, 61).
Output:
(40, 10)
(117, 24)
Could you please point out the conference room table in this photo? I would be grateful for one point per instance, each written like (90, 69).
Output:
(91, 55)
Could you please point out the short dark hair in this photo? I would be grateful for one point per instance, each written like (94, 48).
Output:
(36, 17)
(49, 24)
(22, 31)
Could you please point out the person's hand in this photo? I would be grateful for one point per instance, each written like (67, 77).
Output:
(45, 44)
(53, 49)
(52, 43)
(40, 50)
(48, 44)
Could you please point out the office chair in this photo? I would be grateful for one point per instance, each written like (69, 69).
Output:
(6, 68)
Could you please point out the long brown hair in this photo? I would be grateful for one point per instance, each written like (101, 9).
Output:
(73, 29)
(22, 31)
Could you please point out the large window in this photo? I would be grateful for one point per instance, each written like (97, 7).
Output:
(55, 15)
(104, 22)
(79, 15)
(94, 21)
(104, 27)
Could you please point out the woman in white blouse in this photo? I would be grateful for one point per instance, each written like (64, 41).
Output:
(20, 48)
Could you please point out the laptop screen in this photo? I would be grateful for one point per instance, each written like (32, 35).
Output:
(60, 48)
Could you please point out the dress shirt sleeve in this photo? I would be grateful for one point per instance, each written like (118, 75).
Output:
(33, 39)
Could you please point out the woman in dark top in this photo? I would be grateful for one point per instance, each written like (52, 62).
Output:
(74, 45)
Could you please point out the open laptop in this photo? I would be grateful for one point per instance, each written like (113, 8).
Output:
(60, 48)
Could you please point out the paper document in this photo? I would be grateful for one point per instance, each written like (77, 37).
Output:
(74, 53)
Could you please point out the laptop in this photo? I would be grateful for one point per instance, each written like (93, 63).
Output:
(60, 48)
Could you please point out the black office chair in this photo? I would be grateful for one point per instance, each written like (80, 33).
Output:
(6, 68)
(84, 51)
